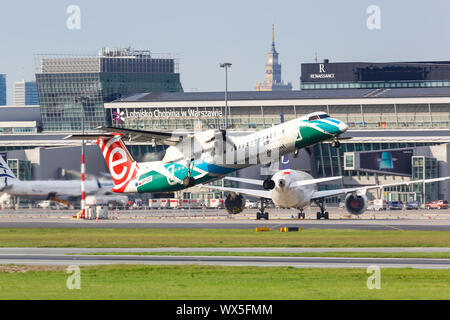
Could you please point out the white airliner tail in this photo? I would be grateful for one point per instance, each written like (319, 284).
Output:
(6, 175)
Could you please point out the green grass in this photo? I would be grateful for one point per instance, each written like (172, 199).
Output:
(211, 282)
(150, 238)
(425, 255)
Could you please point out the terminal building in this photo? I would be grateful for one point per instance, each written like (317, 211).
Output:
(398, 133)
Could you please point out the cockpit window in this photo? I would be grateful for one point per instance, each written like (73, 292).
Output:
(319, 116)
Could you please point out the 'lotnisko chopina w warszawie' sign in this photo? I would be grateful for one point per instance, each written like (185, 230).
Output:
(142, 114)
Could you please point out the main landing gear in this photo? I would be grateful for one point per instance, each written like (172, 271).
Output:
(261, 214)
(189, 181)
(322, 213)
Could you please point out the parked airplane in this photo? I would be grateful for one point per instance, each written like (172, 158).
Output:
(45, 189)
(298, 189)
(196, 158)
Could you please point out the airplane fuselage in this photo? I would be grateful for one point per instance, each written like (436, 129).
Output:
(286, 194)
(234, 153)
(42, 189)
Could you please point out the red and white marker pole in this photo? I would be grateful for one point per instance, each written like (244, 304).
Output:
(83, 195)
(83, 201)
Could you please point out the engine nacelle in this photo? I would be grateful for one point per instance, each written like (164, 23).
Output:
(356, 204)
(234, 203)
(268, 184)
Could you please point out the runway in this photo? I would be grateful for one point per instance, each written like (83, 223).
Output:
(438, 220)
(297, 262)
(383, 224)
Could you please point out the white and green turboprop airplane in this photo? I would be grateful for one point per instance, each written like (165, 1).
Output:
(202, 157)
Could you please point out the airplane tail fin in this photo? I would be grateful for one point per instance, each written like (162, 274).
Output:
(122, 166)
(6, 175)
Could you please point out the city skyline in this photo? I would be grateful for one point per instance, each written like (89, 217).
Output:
(204, 34)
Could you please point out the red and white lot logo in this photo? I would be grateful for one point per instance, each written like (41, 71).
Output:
(121, 167)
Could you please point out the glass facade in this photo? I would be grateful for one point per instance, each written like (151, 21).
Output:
(376, 85)
(2, 89)
(425, 168)
(329, 161)
(20, 168)
(69, 85)
(31, 94)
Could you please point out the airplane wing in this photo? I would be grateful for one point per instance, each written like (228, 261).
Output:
(160, 137)
(249, 192)
(297, 183)
(246, 180)
(314, 181)
(362, 190)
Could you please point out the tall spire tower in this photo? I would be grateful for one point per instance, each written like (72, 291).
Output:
(273, 71)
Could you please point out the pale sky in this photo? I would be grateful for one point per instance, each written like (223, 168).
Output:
(204, 33)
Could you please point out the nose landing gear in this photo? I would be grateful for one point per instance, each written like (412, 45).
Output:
(189, 181)
(301, 214)
(335, 143)
(261, 214)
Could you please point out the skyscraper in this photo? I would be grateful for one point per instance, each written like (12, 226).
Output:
(273, 80)
(25, 93)
(2, 89)
(70, 86)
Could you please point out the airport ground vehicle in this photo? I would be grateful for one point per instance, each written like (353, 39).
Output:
(437, 204)
(251, 204)
(379, 205)
(395, 205)
(412, 205)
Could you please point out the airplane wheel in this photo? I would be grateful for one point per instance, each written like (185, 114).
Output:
(335, 144)
(326, 216)
(266, 216)
(318, 215)
(188, 182)
(258, 216)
